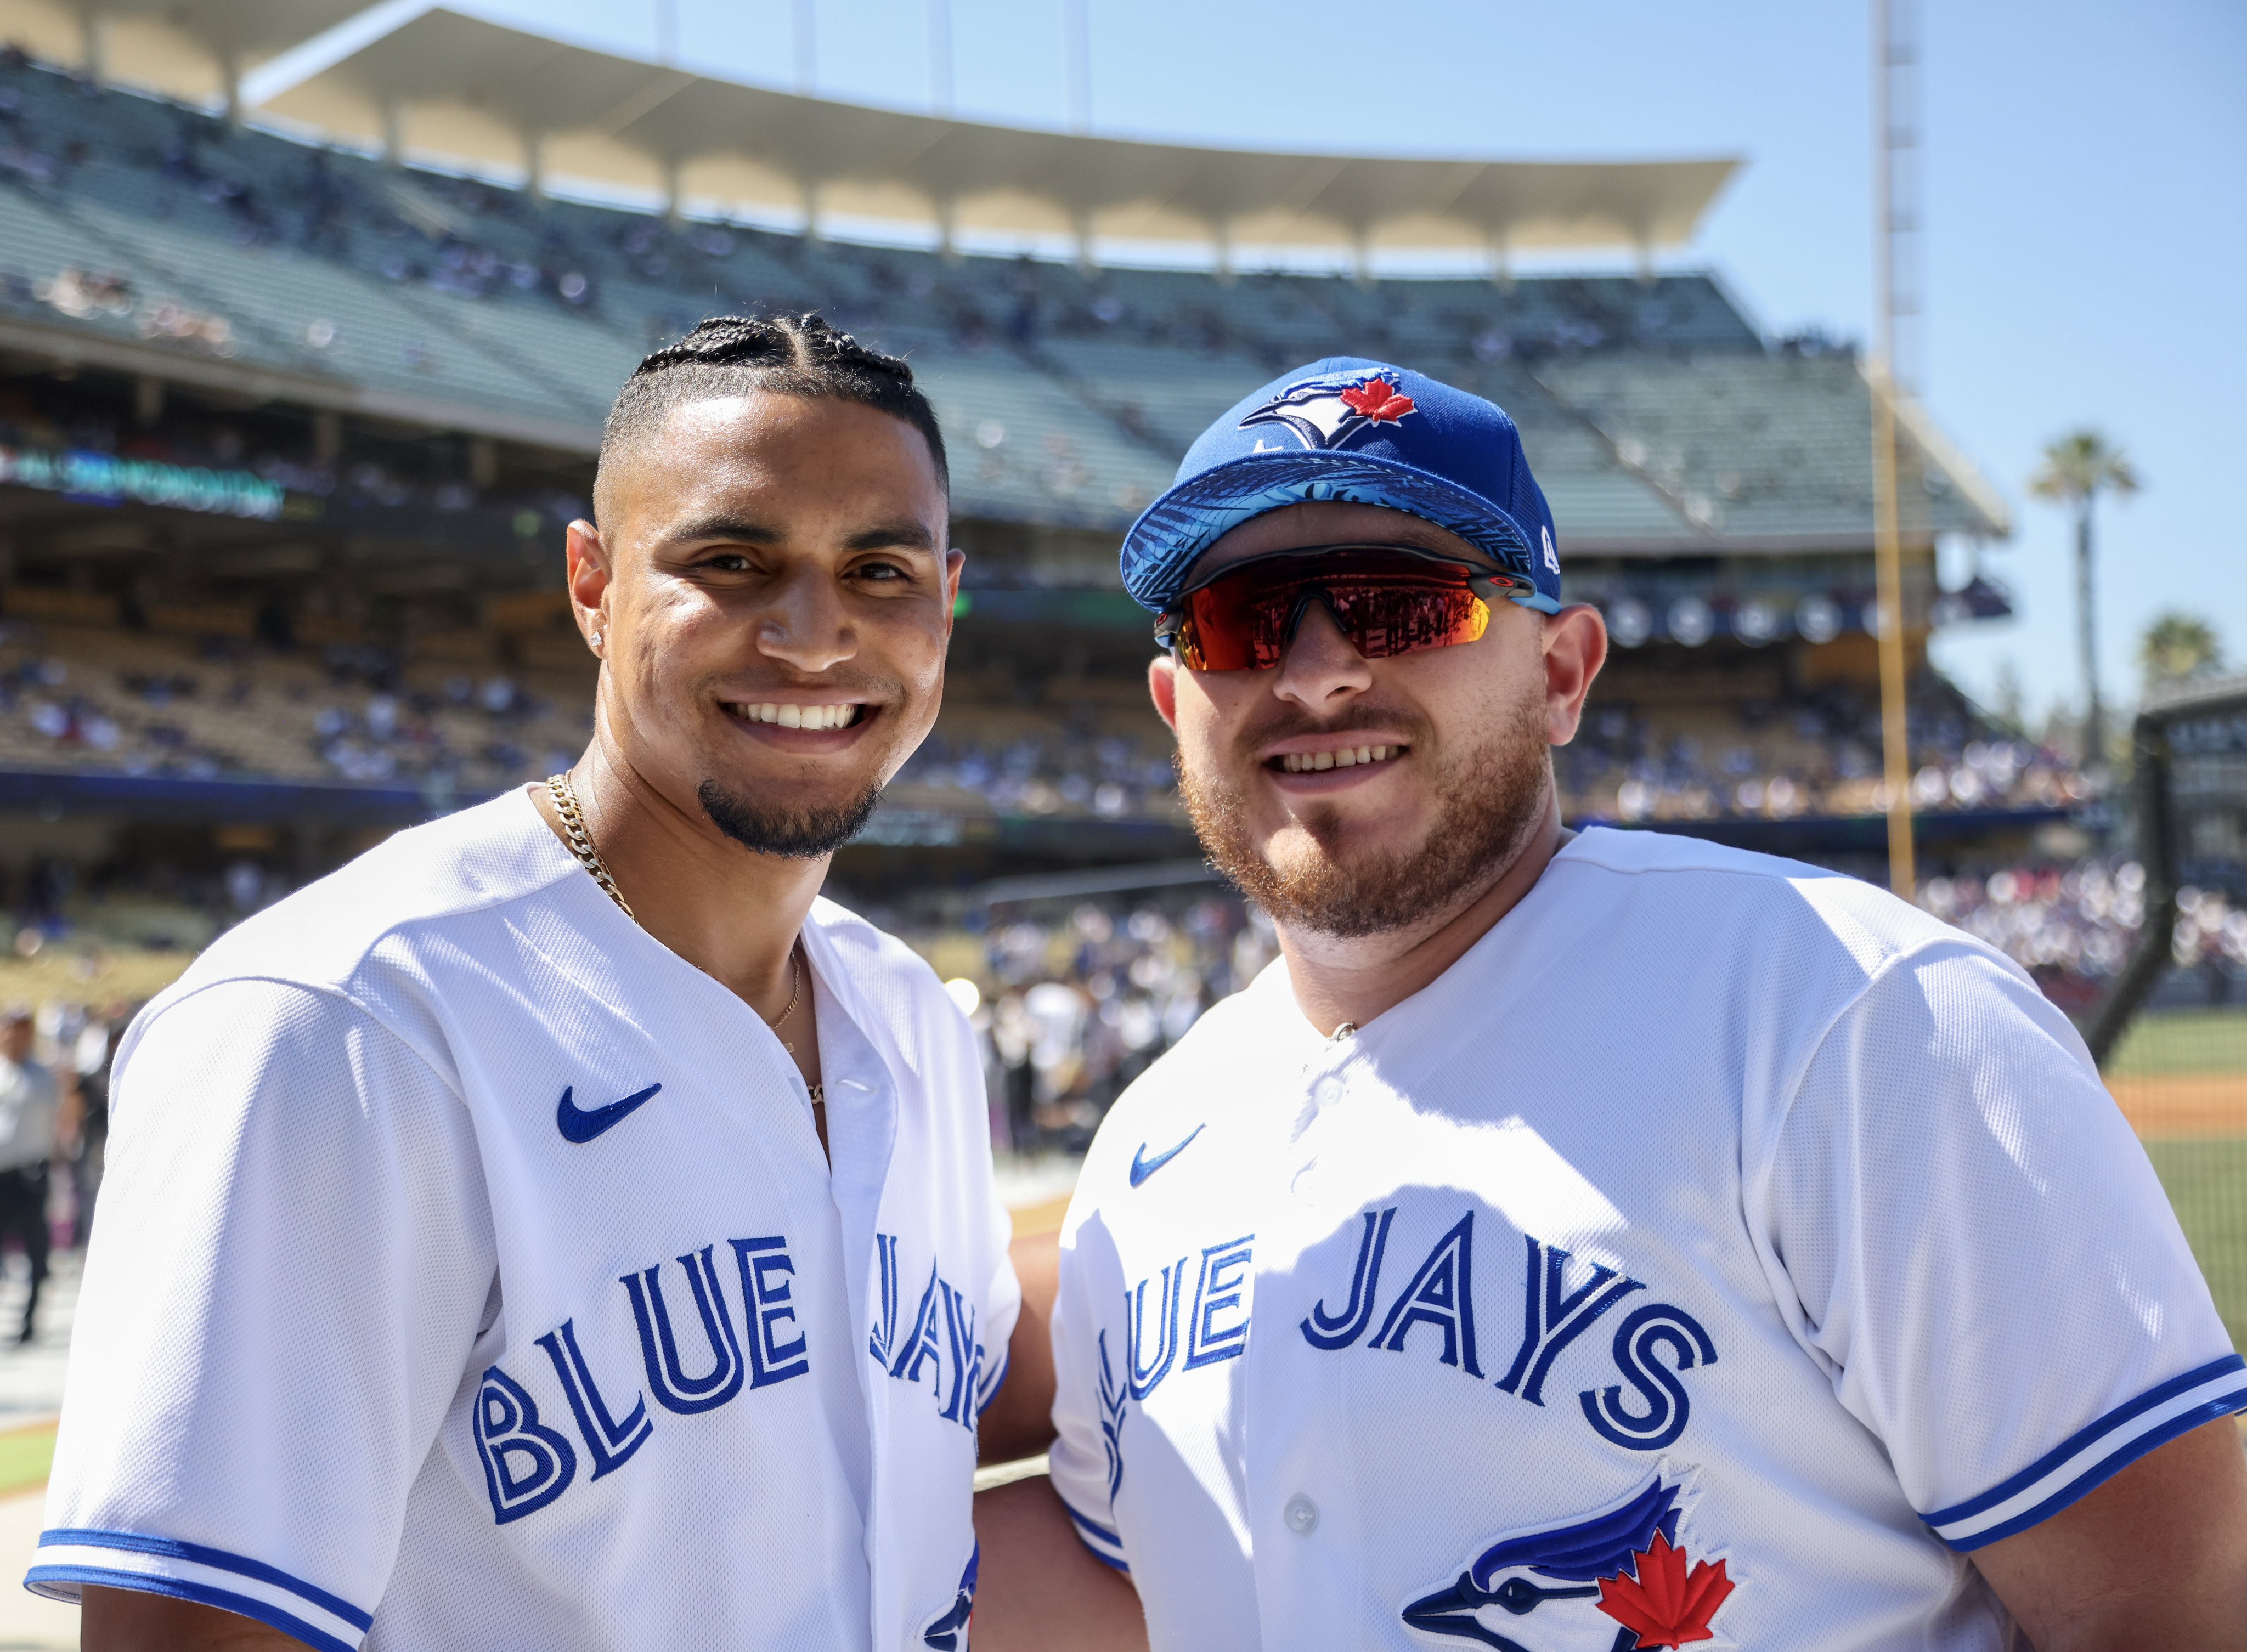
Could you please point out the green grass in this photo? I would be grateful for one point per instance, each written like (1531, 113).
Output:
(2207, 1184)
(2182, 1040)
(25, 1456)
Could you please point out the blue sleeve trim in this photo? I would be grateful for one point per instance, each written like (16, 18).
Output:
(991, 1394)
(1096, 1529)
(225, 1600)
(1108, 1560)
(2226, 1379)
(139, 1543)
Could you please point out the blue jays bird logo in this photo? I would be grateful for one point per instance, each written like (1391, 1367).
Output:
(1326, 412)
(1612, 1581)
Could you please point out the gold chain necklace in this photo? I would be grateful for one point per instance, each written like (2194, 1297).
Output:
(565, 794)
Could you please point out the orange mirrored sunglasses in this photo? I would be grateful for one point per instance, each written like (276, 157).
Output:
(1388, 600)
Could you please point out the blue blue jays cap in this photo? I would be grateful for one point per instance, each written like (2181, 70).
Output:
(1353, 432)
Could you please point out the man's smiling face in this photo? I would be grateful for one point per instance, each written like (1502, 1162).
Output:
(776, 602)
(1351, 797)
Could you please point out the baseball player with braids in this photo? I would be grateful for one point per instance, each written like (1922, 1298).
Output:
(1587, 1241)
(497, 1231)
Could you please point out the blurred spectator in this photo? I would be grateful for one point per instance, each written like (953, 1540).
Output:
(31, 1102)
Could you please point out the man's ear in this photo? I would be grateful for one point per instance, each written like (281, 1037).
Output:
(588, 578)
(1575, 647)
(1162, 689)
(955, 560)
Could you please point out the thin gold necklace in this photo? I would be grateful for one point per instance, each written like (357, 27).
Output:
(565, 794)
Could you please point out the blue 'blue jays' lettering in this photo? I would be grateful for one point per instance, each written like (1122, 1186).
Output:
(1147, 1371)
(675, 1390)
(1656, 1325)
(1327, 1330)
(1441, 1294)
(1542, 1586)
(1113, 1395)
(942, 1336)
(765, 1288)
(1220, 1290)
(529, 1463)
(1553, 1317)
(610, 1442)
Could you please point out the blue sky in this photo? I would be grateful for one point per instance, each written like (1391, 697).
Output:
(2085, 168)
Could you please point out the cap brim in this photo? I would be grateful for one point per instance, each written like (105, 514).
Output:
(1171, 534)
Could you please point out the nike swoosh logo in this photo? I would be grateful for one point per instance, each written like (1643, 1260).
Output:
(582, 1124)
(1143, 1167)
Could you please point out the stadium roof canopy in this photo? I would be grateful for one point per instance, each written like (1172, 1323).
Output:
(195, 49)
(439, 83)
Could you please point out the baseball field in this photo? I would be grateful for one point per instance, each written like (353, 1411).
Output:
(2181, 1078)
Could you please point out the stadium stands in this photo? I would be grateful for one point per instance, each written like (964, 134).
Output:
(127, 218)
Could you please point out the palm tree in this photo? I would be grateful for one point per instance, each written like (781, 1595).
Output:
(2077, 468)
(2177, 647)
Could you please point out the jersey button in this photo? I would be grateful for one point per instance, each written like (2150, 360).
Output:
(1301, 1515)
(1325, 1093)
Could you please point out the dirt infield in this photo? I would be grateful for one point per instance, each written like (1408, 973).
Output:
(2166, 1105)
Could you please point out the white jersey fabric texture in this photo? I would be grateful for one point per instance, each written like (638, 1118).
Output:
(1717, 1253)
(469, 1274)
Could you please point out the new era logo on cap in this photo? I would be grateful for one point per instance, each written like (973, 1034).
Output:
(1352, 430)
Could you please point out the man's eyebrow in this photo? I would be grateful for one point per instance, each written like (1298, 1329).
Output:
(737, 530)
(903, 534)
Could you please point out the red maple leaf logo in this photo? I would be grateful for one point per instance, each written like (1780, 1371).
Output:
(1378, 401)
(1666, 1605)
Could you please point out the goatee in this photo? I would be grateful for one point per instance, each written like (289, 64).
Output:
(796, 834)
(1489, 801)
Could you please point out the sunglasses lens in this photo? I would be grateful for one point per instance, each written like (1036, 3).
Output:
(1386, 602)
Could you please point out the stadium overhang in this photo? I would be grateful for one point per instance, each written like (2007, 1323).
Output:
(195, 50)
(442, 85)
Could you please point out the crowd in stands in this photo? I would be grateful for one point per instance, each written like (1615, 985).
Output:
(649, 276)
(1080, 1004)
(141, 704)
(1818, 756)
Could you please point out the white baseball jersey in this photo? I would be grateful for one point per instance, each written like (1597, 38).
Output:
(469, 1274)
(1716, 1254)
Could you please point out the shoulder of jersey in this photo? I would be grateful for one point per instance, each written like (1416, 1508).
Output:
(1868, 922)
(322, 934)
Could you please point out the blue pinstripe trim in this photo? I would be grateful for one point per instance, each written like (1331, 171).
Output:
(2099, 1473)
(225, 1600)
(2115, 1419)
(1096, 1529)
(991, 1394)
(139, 1543)
(1108, 1560)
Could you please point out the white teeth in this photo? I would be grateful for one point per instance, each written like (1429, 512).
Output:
(801, 716)
(1348, 757)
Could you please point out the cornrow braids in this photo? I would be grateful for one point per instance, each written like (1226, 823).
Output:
(786, 355)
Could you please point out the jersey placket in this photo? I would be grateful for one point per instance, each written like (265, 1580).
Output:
(1303, 1508)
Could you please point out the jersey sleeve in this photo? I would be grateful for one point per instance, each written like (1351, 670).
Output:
(1980, 1253)
(1003, 1297)
(292, 1262)
(1087, 1462)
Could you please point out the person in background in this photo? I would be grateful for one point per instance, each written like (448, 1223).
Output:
(31, 1102)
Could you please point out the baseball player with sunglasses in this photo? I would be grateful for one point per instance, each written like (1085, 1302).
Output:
(1587, 1240)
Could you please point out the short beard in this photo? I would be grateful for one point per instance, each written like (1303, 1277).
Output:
(1489, 802)
(793, 834)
